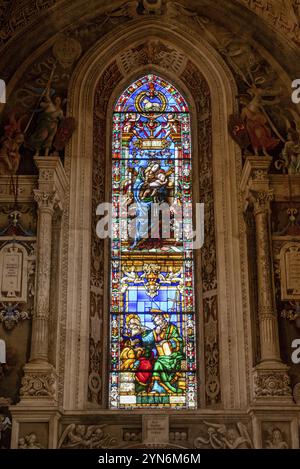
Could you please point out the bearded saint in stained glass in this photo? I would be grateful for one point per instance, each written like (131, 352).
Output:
(155, 355)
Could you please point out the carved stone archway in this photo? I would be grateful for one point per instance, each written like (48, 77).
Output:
(202, 63)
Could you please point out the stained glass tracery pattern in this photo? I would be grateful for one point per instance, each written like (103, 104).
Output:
(152, 323)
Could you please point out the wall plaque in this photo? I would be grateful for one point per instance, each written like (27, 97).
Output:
(155, 429)
(13, 273)
(290, 271)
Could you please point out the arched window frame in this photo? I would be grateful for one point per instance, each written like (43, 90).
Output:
(184, 393)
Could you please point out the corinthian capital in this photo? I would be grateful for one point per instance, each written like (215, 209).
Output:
(45, 200)
(261, 200)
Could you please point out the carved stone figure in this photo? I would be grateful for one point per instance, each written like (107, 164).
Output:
(30, 441)
(220, 436)
(86, 437)
(276, 439)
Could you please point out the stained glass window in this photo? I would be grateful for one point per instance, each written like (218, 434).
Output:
(152, 320)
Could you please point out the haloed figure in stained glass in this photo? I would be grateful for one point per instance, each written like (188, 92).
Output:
(155, 355)
(152, 291)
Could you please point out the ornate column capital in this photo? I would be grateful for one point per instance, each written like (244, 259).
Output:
(261, 200)
(255, 176)
(52, 178)
(46, 200)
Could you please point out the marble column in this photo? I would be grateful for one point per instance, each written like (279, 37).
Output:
(269, 340)
(270, 376)
(39, 381)
(39, 339)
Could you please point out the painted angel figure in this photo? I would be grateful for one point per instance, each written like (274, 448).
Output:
(48, 122)
(10, 145)
(256, 119)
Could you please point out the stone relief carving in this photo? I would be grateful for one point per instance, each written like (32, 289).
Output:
(38, 385)
(179, 435)
(275, 438)
(29, 441)
(212, 385)
(132, 435)
(86, 437)
(272, 384)
(221, 436)
(153, 52)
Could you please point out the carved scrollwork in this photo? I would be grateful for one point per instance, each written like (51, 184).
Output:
(38, 385)
(272, 384)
